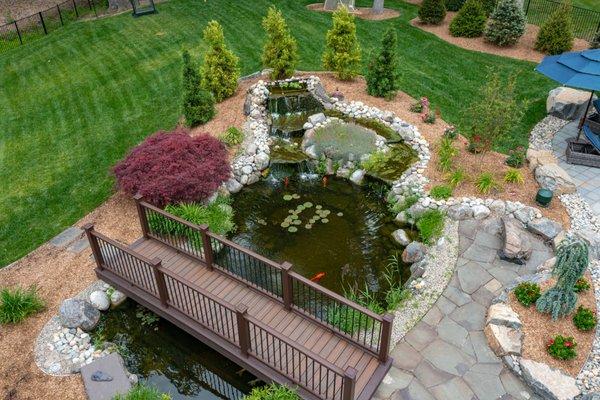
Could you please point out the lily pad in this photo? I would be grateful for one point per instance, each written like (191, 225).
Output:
(340, 214)
(296, 196)
(288, 197)
(318, 207)
(297, 222)
(324, 220)
(308, 204)
(308, 226)
(285, 224)
(292, 229)
(293, 216)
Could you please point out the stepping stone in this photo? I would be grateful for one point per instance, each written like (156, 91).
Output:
(493, 242)
(485, 386)
(457, 296)
(433, 316)
(472, 276)
(455, 389)
(445, 306)
(79, 245)
(451, 332)
(405, 356)
(483, 352)
(67, 236)
(420, 336)
(448, 358)
(414, 391)
(503, 274)
(470, 316)
(483, 296)
(479, 253)
(430, 376)
(111, 365)
(394, 380)
(468, 228)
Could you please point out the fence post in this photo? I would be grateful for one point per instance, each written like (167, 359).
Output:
(206, 246)
(241, 311)
(161, 285)
(75, 7)
(349, 382)
(142, 214)
(43, 23)
(18, 32)
(286, 283)
(527, 8)
(89, 229)
(386, 334)
(60, 15)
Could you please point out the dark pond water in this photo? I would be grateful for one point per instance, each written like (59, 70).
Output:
(164, 356)
(344, 229)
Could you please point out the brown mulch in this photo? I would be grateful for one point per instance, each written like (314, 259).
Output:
(361, 12)
(16, 9)
(538, 328)
(523, 50)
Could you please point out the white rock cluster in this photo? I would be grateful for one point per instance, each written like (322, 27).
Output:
(543, 132)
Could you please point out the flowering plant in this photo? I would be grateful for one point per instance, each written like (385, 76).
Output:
(562, 348)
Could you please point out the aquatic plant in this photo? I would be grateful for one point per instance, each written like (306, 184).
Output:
(143, 392)
(273, 392)
(430, 225)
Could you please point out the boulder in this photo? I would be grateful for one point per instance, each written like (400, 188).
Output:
(498, 206)
(537, 158)
(311, 151)
(504, 340)
(592, 239)
(553, 177)
(401, 217)
(567, 103)
(517, 244)
(548, 382)
(317, 118)
(320, 94)
(261, 160)
(117, 298)
(417, 269)
(358, 176)
(501, 314)
(401, 237)
(460, 212)
(480, 211)
(343, 173)
(100, 300)
(414, 252)
(77, 313)
(233, 186)
(525, 214)
(544, 227)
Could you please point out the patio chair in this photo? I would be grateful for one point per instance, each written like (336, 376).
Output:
(596, 104)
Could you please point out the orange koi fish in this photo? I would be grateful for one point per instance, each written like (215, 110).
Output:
(317, 278)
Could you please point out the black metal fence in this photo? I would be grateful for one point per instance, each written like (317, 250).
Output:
(585, 22)
(34, 26)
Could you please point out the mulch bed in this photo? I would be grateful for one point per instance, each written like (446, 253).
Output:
(360, 12)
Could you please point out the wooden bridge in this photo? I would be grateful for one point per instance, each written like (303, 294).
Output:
(260, 314)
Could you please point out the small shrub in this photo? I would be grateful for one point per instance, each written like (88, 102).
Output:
(584, 319)
(582, 285)
(232, 136)
(430, 225)
(489, 6)
(516, 157)
(595, 43)
(446, 153)
(507, 24)
(556, 33)
(409, 201)
(382, 75)
(429, 117)
(198, 104)
(273, 392)
(514, 176)
(281, 50)
(527, 293)
(416, 107)
(454, 5)
(457, 177)
(143, 392)
(17, 304)
(485, 183)
(440, 192)
(432, 12)
(470, 20)
(174, 167)
(342, 50)
(220, 71)
(451, 132)
(562, 348)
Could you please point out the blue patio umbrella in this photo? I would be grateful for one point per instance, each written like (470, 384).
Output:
(578, 69)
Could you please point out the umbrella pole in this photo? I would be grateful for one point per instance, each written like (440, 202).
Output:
(582, 121)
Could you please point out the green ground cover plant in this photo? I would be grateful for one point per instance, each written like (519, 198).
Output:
(273, 392)
(584, 319)
(562, 348)
(527, 293)
(143, 392)
(440, 192)
(79, 99)
(16, 304)
(232, 136)
(430, 225)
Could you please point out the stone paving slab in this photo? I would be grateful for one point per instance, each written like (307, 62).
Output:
(446, 356)
(111, 365)
(66, 237)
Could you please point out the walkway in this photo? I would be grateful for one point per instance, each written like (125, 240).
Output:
(587, 179)
(446, 355)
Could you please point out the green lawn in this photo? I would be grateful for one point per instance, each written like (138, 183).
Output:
(73, 103)
(589, 4)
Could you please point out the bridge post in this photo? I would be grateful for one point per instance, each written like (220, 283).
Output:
(241, 312)
(141, 214)
(89, 232)
(386, 334)
(349, 383)
(206, 246)
(161, 285)
(286, 282)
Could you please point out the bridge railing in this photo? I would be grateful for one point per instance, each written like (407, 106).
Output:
(347, 318)
(253, 338)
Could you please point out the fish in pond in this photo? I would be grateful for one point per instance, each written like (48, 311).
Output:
(317, 278)
(286, 181)
(325, 179)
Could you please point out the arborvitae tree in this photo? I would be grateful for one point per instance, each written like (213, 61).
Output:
(571, 263)
(470, 20)
(281, 50)
(198, 103)
(556, 34)
(342, 51)
(595, 43)
(507, 24)
(382, 75)
(432, 11)
(489, 6)
(454, 5)
(220, 71)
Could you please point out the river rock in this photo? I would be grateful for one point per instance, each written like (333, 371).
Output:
(358, 176)
(480, 211)
(544, 227)
(77, 313)
(548, 382)
(567, 103)
(401, 237)
(517, 244)
(553, 177)
(525, 214)
(100, 300)
(417, 269)
(414, 252)
(317, 118)
(311, 151)
(460, 212)
(117, 298)
(233, 186)
(504, 340)
(262, 160)
(503, 315)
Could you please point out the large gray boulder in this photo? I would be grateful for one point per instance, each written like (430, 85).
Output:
(545, 227)
(503, 315)
(100, 300)
(517, 243)
(401, 237)
(567, 103)
(77, 313)
(539, 157)
(358, 176)
(548, 382)
(460, 212)
(553, 177)
(504, 340)
(414, 252)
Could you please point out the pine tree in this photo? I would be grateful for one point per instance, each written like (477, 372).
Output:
(220, 71)
(571, 262)
(556, 34)
(342, 52)
(198, 103)
(382, 76)
(595, 43)
(454, 5)
(489, 6)
(432, 11)
(470, 20)
(281, 50)
(507, 24)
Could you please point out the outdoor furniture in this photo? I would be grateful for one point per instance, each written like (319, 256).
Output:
(597, 105)
(142, 7)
